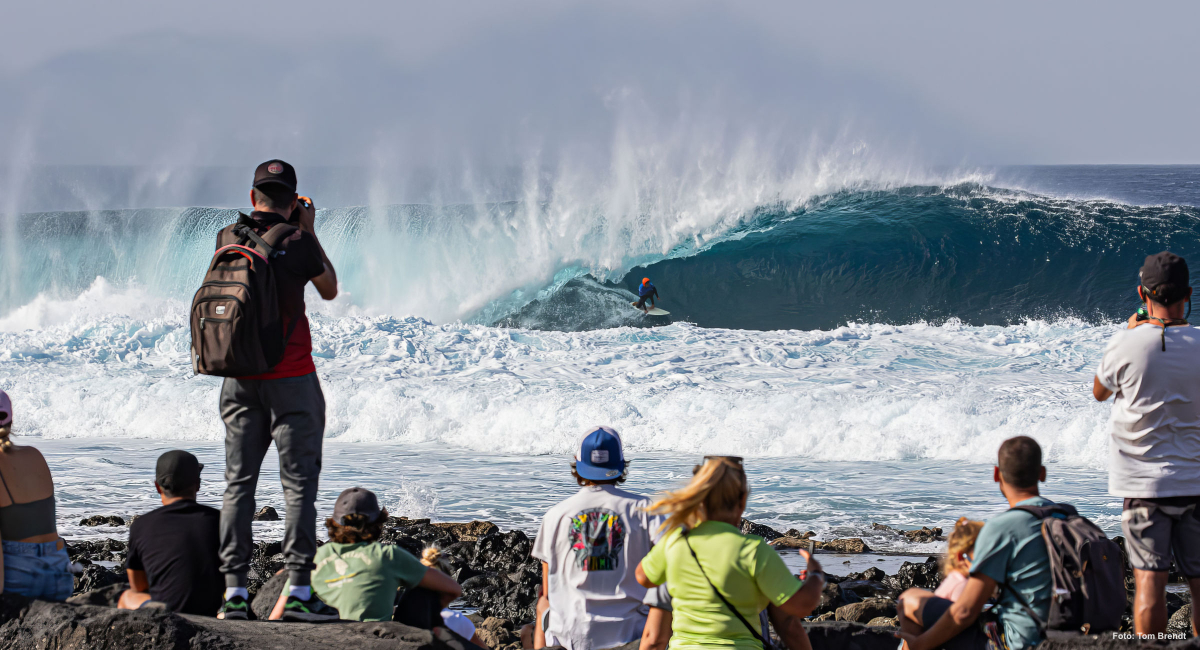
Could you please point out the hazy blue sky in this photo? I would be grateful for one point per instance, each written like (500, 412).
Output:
(473, 84)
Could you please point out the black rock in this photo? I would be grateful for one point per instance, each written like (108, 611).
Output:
(104, 550)
(95, 576)
(102, 597)
(925, 575)
(266, 560)
(264, 601)
(102, 520)
(765, 532)
(40, 625)
(266, 513)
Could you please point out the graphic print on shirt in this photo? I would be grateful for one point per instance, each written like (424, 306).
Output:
(597, 538)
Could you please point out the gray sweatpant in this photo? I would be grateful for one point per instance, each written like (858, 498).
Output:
(291, 412)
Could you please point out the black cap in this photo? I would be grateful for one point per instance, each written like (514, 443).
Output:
(356, 501)
(177, 470)
(1165, 278)
(275, 171)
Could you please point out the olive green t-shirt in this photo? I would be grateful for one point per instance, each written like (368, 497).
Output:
(748, 571)
(361, 579)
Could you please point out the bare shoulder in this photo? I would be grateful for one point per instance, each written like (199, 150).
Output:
(26, 475)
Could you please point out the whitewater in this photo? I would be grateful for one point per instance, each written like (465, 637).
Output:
(866, 349)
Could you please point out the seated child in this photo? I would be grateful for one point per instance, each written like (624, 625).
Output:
(960, 549)
(358, 575)
(462, 626)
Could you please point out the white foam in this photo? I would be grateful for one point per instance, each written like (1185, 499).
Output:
(861, 392)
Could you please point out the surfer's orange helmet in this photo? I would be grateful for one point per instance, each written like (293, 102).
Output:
(645, 280)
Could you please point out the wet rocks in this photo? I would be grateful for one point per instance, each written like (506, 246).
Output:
(102, 520)
(924, 534)
(104, 550)
(851, 545)
(866, 610)
(926, 575)
(765, 532)
(266, 513)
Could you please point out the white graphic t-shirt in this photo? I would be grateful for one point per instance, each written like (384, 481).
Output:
(593, 543)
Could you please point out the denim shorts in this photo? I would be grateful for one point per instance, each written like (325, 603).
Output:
(37, 570)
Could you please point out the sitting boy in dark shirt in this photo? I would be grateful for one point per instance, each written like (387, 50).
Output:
(173, 561)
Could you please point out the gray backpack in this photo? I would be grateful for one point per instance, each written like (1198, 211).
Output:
(1088, 573)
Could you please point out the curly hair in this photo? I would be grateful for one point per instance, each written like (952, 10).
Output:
(960, 545)
(356, 529)
(616, 481)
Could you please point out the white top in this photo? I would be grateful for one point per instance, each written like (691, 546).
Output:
(459, 623)
(1155, 423)
(593, 543)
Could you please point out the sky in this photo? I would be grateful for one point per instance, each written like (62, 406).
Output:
(466, 88)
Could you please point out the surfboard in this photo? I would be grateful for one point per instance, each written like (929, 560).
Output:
(654, 312)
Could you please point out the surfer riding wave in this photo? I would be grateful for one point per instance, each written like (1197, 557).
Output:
(646, 292)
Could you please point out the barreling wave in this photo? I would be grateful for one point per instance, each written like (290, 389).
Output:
(982, 255)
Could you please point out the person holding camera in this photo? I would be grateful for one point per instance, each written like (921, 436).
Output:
(284, 405)
(1153, 369)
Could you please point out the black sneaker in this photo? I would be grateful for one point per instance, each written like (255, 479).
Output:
(236, 609)
(313, 610)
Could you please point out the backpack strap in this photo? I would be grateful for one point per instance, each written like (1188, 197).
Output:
(268, 242)
(1041, 625)
(765, 644)
(1063, 511)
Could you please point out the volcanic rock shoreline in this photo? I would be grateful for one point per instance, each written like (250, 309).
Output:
(499, 579)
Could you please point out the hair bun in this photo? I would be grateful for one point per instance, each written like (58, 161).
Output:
(431, 556)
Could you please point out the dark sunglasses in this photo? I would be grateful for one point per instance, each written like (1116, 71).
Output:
(736, 460)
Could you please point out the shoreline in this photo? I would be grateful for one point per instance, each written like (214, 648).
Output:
(500, 579)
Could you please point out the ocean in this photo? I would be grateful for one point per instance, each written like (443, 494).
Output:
(866, 345)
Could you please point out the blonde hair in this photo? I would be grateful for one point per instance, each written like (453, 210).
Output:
(432, 558)
(718, 486)
(961, 542)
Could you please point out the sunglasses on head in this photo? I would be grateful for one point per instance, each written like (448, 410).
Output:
(735, 460)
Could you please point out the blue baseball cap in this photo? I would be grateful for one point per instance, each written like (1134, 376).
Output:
(600, 456)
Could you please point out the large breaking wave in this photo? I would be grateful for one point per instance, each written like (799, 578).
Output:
(896, 255)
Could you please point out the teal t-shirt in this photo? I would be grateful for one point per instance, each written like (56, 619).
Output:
(1010, 549)
(361, 579)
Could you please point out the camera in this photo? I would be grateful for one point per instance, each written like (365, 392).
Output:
(302, 202)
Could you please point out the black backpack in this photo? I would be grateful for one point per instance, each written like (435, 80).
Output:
(1088, 574)
(237, 328)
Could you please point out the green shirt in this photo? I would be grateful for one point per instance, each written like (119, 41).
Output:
(1010, 549)
(361, 579)
(748, 571)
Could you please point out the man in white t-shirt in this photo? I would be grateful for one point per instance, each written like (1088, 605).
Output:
(590, 545)
(1153, 368)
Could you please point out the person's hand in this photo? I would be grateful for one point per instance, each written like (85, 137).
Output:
(308, 215)
(1133, 321)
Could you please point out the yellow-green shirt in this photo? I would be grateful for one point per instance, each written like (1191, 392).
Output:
(748, 571)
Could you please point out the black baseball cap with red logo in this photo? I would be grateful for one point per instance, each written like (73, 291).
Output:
(275, 172)
(1165, 278)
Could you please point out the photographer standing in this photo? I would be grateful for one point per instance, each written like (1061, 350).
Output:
(1153, 368)
(284, 404)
